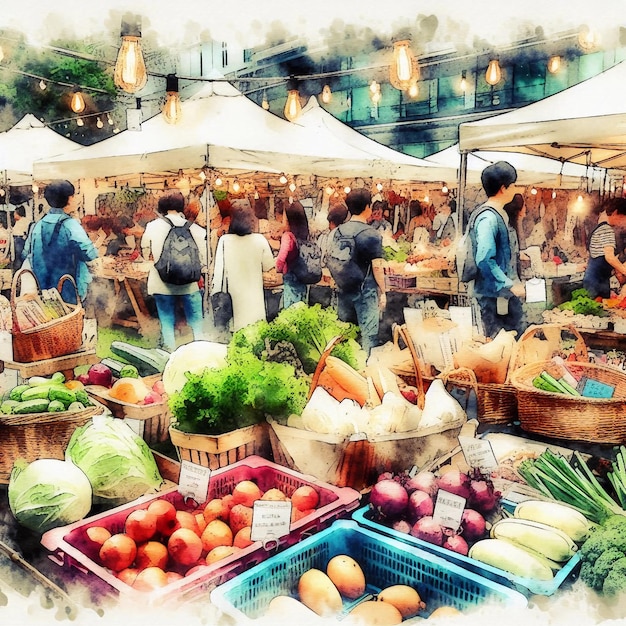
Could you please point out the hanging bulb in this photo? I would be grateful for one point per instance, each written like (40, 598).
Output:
(554, 64)
(42, 85)
(326, 94)
(493, 75)
(330, 191)
(463, 81)
(553, 194)
(99, 123)
(445, 189)
(283, 179)
(109, 120)
(77, 104)
(404, 69)
(265, 104)
(35, 188)
(346, 189)
(218, 182)
(413, 90)
(379, 186)
(236, 186)
(426, 198)
(533, 191)
(130, 68)
(79, 122)
(293, 108)
(256, 194)
(292, 187)
(587, 38)
(375, 93)
(171, 110)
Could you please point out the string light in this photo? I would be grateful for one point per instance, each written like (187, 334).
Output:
(326, 94)
(587, 38)
(404, 69)
(292, 187)
(99, 123)
(493, 75)
(42, 85)
(379, 186)
(553, 194)
(445, 189)
(346, 189)
(79, 122)
(375, 93)
(130, 68)
(77, 104)
(464, 81)
(554, 64)
(413, 90)
(533, 191)
(218, 182)
(283, 179)
(236, 186)
(35, 188)
(172, 110)
(293, 108)
(330, 191)
(265, 104)
(109, 120)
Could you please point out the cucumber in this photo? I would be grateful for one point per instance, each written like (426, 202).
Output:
(6, 408)
(83, 397)
(76, 406)
(57, 377)
(31, 406)
(16, 392)
(56, 406)
(39, 392)
(115, 366)
(148, 361)
(63, 394)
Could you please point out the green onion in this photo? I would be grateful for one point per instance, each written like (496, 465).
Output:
(618, 476)
(574, 484)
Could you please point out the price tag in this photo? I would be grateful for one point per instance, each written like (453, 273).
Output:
(478, 453)
(193, 481)
(448, 509)
(271, 519)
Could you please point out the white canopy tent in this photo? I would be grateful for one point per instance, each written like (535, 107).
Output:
(223, 129)
(531, 170)
(23, 144)
(585, 123)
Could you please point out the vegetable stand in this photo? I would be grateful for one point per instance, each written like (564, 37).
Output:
(65, 364)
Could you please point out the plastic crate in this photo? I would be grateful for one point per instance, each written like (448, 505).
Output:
(70, 547)
(384, 561)
(526, 586)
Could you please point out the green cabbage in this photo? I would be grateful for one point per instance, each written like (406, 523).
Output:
(119, 464)
(48, 493)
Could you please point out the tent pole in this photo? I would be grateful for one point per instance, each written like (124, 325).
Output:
(461, 199)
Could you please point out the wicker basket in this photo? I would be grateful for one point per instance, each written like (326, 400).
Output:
(55, 338)
(215, 451)
(595, 420)
(38, 435)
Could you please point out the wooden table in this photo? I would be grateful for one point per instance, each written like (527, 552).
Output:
(65, 364)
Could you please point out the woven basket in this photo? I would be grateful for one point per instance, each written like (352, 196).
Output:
(53, 339)
(38, 435)
(595, 420)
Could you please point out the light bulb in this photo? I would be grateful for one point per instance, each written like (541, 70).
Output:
(99, 123)
(554, 64)
(444, 189)
(463, 81)
(533, 191)
(413, 90)
(293, 108)
(330, 191)
(218, 182)
(109, 120)
(326, 94)
(35, 188)
(403, 70)
(587, 38)
(493, 75)
(553, 195)
(426, 198)
(374, 87)
(42, 85)
(346, 189)
(379, 186)
(292, 187)
(202, 175)
(130, 68)
(2, 192)
(256, 194)
(283, 179)
(265, 104)
(236, 186)
(79, 122)
(579, 199)
(171, 110)
(77, 103)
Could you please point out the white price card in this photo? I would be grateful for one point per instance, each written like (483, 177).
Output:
(448, 509)
(536, 290)
(478, 453)
(193, 481)
(271, 519)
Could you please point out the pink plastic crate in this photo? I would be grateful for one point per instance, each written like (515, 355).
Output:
(70, 547)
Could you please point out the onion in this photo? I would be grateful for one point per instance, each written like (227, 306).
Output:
(427, 529)
(483, 497)
(473, 525)
(420, 505)
(456, 543)
(455, 481)
(389, 499)
(424, 481)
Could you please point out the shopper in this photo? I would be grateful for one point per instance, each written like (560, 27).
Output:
(419, 224)
(297, 230)
(603, 259)
(57, 244)
(240, 260)
(168, 295)
(377, 221)
(337, 215)
(497, 296)
(20, 230)
(363, 303)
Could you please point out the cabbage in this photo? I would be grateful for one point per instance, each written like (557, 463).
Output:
(48, 493)
(193, 357)
(119, 464)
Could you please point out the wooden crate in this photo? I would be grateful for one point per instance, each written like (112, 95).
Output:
(215, 451)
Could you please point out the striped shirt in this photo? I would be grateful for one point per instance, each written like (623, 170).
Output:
(601, 237)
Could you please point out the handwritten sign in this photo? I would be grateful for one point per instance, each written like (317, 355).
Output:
(478, 453)
(271, 519)
(193, 481)
(448, 509)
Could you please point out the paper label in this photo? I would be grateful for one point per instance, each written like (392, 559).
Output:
(536, 290)
(194, 481)
(448, 509)
(271, 519)
(478, 453)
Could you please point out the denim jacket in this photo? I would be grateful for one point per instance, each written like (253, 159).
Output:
(493, 256)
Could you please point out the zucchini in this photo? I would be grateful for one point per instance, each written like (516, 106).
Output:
(31, 406)
(148, 361)
(57, 377)
(39, 392)
(6, 408)
(565, 518)
(16, 392)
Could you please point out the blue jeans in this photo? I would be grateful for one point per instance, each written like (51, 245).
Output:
(166, 309)
(293, 290)
(362, 308)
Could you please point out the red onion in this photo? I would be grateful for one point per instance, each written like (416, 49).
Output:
(473, 525)
(388, 499)
(455, 481)
(456, 543)
(424, 481)
(428, 530)
(420, 505)
(483, 497)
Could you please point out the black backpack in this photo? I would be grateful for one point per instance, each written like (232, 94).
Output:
(307, 267)
(179, 263)
(340, 260)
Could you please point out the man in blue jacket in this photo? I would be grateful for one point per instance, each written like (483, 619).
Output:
(58, 244)
(497, 293)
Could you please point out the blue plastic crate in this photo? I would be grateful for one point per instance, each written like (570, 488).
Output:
(384, 561)
(527, 586)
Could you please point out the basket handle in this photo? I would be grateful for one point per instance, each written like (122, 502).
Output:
(404, 334)
(16, 287)
(462, 376)
(60, 284)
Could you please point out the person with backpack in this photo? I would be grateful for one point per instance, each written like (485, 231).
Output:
(355, 261)
(497, 292)
(292, 262)
(178, 249)
(57, 244)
